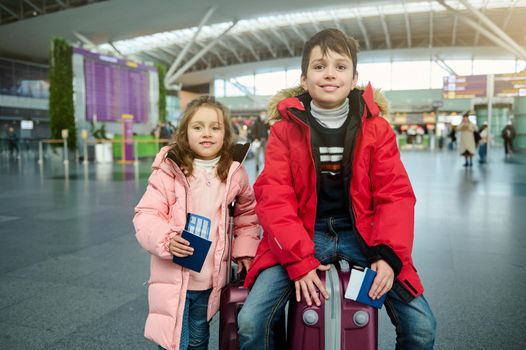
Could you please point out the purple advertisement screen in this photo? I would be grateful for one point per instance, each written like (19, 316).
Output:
(115, 87)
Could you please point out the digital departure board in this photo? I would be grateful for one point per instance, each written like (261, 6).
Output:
(115, 87)
(510, 84)
(467, 86)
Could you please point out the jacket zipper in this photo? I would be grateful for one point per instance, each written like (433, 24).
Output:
(179, 174)
(226, 219)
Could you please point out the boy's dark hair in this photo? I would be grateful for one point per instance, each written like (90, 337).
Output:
(334, 40)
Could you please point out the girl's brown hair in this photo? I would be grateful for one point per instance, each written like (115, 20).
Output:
(181, 152)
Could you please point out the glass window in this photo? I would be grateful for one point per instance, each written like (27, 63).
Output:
(270, 83)
(489, 67)
(520, 66)
(219, 88)
(23, 79)
(410, 75)
(233, 89)
(248, 82)
(293, 77)
(437, 76)
(461, 67)
(379, 74)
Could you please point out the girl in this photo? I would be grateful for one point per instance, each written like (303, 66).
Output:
(197, 174)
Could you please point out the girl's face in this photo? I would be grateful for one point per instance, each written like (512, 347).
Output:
(206, 133)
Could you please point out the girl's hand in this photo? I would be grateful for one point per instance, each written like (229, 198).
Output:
(180, 247)
(383, 282)
(243, 263)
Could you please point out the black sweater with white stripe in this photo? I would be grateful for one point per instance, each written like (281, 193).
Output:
(329, 145)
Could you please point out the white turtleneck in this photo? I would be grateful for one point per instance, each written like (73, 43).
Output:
(331, 118)
(207, 193)
(203, 163)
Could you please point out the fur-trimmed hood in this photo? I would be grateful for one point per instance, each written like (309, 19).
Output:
(273, 114)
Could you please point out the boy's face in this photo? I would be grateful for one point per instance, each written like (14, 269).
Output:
(329, 79)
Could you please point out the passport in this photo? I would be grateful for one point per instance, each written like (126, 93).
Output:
(197, 232)
(359, 285)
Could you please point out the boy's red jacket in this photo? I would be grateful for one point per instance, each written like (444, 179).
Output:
(381, 197)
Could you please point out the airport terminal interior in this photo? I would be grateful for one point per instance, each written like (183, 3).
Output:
(91, 90)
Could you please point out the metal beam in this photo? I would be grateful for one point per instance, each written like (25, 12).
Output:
(264, 42)
(363, 29)
(219, 57)
(442, 64)
(175, 64)
(194, 59)
(477, 33)
(336, 21)
(247, 45)
(244, 89)
(431, 27)
(155, 56)
(508, 15)
(115, 49)
(495, 29)
(384, 27)
(314, 22)
(33, 6)
(85, 40)
(158, 56)
(229, 48)
(8, 10)
(407, 26)
(283, 40)
(302, 35)
(168, 52)
(454, 33)
(519, 52)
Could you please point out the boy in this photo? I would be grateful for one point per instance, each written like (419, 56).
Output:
(333, 188)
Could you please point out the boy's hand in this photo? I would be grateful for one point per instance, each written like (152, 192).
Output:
(383, 282)
(243, 263)
(180, 247)
(309, 284)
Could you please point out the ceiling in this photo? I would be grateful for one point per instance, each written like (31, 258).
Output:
(386, 30)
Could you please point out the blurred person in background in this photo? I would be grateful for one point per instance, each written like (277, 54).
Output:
(12, 141)
(483, 143)
(467, 146)
(508, 134)
(258, 136)
(452, 138)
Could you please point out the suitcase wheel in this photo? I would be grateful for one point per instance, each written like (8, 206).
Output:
(361, 318)
(310, 317)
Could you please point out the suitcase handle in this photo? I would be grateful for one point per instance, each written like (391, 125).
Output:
(230, 231)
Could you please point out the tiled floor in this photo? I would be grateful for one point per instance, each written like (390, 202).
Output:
(71, 272)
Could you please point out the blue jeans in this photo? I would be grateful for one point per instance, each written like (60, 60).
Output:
(195, 331)
(334, 240)
(483, 150)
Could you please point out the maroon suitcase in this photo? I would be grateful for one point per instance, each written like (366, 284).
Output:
(338, 323)
(233, 297)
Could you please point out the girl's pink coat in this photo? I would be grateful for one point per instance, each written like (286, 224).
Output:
(161, 214)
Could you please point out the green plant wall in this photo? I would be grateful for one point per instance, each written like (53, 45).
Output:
(61, 92)
(161, 70)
